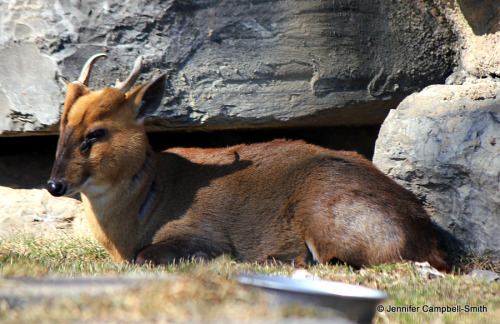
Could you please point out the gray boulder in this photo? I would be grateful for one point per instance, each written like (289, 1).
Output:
(444, 145)
(29, 94)
(231, 64)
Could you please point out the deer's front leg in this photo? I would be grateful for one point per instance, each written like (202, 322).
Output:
(180, 241)
(167, 253)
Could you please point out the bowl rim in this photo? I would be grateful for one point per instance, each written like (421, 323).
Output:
(312, 287)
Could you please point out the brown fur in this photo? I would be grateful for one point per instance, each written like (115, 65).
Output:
(286, 200)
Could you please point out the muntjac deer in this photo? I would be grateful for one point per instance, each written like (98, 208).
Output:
(282, 200)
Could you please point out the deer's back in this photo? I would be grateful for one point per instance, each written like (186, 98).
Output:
(266, 200)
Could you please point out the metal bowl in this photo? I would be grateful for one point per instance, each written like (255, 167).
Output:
(355, 302)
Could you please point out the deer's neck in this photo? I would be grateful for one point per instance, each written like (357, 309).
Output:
(118, 215)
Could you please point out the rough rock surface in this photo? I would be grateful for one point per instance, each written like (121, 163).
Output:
(35, 209)
(483, 16)
(486, 275)
(230, 63)
(444, 145)
(477, 26)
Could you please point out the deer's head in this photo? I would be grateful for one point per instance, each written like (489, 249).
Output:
(102, 137)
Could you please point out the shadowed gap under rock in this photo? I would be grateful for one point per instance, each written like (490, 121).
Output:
(26, 162)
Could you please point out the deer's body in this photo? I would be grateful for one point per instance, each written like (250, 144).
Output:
(286, 200)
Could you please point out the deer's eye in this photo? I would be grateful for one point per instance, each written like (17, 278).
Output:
(95, 135)
(90, 139)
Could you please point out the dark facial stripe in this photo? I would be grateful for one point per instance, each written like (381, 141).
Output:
(63, 153)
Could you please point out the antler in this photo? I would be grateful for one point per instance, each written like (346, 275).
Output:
(129, 82)
(84, 75)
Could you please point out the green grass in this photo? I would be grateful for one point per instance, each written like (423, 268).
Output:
(195, 291)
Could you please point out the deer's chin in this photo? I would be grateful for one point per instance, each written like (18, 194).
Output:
(74, 189)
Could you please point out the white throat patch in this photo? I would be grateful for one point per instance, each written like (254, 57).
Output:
(92, 189)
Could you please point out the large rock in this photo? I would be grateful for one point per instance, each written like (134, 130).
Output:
(231, 63)
(444, 142)
(477, 26)
(444, 145)
(37, 210)
(29, 94)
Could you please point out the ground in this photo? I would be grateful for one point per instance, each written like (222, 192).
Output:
(101, 290)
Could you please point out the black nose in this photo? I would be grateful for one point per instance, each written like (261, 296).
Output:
(57, 188)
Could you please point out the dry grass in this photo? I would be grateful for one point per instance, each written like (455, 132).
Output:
(195, 292)
(472, 261)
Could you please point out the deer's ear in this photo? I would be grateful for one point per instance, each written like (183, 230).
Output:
(147, 98)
